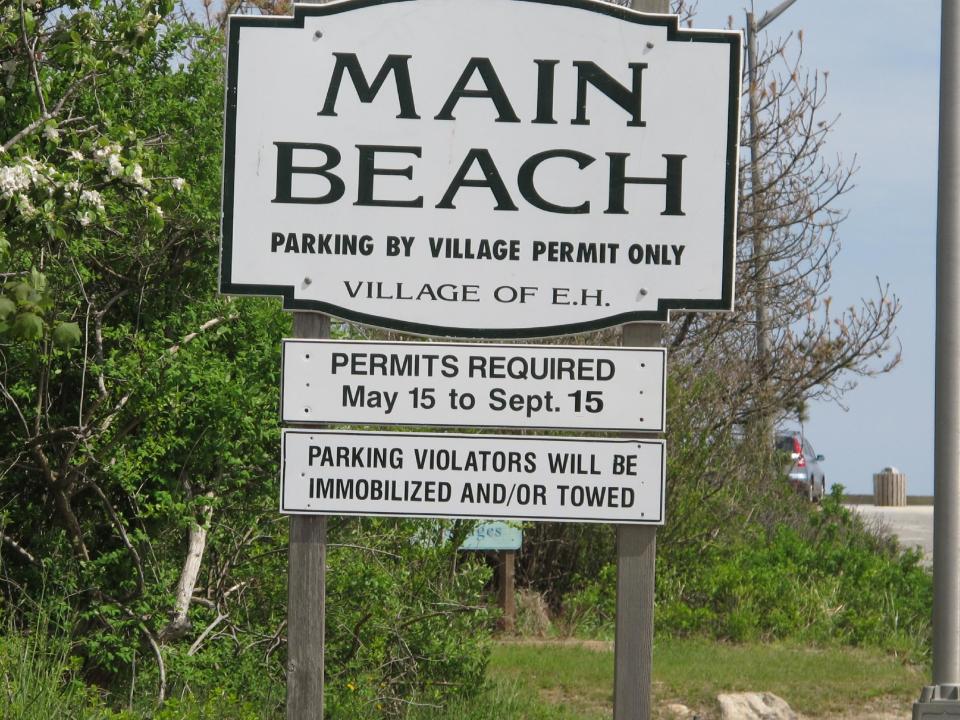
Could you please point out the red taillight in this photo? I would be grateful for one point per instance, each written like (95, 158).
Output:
(798, 451)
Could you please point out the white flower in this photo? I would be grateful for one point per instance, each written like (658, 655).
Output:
(158, 210)
(76, 155)
(71, 188)
(14, 179)
(92, 198)
(178, 183)
(148, 22)
(25, 207)
(106, 150)
(85, 219)
(113, 165)
(51, 133)
(137, 176)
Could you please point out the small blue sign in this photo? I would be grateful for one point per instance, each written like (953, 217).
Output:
(494, 536)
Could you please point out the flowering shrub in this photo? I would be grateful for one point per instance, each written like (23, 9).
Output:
(67, 172)
(140, 408)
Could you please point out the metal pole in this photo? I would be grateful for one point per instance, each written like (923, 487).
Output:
(942, 699)
(760, 263)
(771, 15)
(946, 601)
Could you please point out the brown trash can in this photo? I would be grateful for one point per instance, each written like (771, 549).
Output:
(890, 488)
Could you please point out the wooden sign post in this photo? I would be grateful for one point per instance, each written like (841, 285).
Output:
(506, 590)
(306, 585)
(636, 571)
(636, 561)
(307, 580)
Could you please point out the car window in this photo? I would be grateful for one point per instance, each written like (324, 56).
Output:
(808, 450)
(785, 443)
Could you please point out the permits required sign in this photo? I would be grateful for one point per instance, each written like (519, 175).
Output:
(504, 168)
(479, 385)
(475, 476)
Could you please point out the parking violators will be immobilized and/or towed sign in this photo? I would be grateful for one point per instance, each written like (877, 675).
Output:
(472, 476)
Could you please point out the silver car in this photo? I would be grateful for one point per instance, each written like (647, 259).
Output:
(804, 472)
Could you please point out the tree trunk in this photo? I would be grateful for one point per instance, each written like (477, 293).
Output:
(179, 625)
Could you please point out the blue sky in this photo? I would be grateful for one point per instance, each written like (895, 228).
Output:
(883, 60)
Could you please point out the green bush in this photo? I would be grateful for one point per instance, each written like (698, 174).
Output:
(406, 626)
(406, 620)
(741, 556)
(829, 581)
(591, 610)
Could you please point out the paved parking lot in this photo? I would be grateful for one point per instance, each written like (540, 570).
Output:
(913, 525)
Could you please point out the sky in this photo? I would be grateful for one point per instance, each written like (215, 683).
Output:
(883, 63)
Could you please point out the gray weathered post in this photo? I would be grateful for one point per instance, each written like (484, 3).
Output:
(636, 569)
(307, 578)
(507, 600)
(306, 585)
(636, 561)
(942, 699)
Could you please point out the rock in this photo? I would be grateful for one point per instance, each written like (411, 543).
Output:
(754, 706)
(678, 712)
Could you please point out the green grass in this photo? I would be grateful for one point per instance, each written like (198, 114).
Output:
(815, 681)
(549, 680)
(38, 678)
(572, 679)
(575, 682)
(504, 700)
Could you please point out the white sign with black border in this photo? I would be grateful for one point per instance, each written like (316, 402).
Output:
(472, 476)
(473, 385)
(504, 168)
